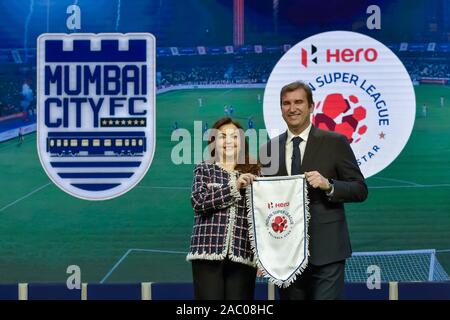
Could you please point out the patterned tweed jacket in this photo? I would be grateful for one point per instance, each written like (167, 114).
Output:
(220, 221)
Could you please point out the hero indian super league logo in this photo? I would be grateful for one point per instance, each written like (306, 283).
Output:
(279, 222)
(342, 115)
(360, 89)
(96, 111)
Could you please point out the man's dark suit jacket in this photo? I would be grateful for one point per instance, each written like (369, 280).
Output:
(330, 154)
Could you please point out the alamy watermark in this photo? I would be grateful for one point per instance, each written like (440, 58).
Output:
(191, 147)
(74, 280)
(374, 278)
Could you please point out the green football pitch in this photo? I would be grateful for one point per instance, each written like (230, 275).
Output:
(144, 234)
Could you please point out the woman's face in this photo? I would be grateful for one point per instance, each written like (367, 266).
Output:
(228, 143)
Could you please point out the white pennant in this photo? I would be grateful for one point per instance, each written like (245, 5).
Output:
(278, 215)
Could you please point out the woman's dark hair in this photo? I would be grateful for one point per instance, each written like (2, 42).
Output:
(245, 164)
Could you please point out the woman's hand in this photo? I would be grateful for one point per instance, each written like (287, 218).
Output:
(259, 273)
(244, 180)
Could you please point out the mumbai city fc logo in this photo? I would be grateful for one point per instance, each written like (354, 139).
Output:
(360, 89)
(96, 111)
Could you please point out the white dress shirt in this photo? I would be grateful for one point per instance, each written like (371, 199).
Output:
(289, 146)
(289, 150)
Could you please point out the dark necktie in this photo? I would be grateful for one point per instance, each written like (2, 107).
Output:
(296, 157)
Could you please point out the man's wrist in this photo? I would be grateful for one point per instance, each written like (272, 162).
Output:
(329, 191)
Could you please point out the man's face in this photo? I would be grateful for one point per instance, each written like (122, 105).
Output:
(296, 111)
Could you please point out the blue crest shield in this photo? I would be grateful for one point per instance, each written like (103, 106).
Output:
(96, 111)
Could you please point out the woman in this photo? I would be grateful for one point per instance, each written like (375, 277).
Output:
(223, 265)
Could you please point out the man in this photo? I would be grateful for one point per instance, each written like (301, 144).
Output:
(250, 123)
(20, 137)
(175, 126)
(424, 110)
(333, 178)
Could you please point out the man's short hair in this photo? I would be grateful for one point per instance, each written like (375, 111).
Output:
(295, 86)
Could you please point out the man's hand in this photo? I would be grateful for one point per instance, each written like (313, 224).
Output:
(316, 180)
